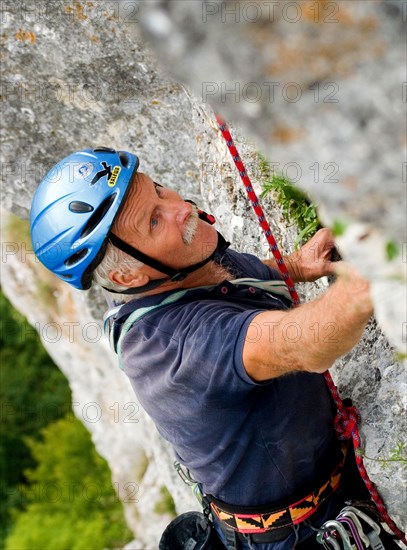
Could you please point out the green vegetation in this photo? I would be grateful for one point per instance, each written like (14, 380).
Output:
(166, 504)
(18, 230)
(71, 503)
(399, 454)
(33, 393)
(338, 228)
(396, 455)
(17, 233)
(296, 206)
(55, 491)
(392, 250)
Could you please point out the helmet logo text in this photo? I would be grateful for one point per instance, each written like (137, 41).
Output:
(113, 178)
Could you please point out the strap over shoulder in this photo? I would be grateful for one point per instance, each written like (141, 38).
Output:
(118, 320)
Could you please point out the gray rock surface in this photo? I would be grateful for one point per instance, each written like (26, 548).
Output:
(73, 77)
(77, 74)
(321, 88)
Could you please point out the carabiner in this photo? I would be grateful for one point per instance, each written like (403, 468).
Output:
(332, 542)
(354, 532)
(340, 529)
(363, 516)
(326, 538)
(346, 513)
(184, 474)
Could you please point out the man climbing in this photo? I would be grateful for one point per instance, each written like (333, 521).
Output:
(228, 370)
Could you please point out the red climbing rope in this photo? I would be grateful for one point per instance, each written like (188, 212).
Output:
(347, 418)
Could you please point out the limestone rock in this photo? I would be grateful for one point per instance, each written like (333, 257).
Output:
(320, 87)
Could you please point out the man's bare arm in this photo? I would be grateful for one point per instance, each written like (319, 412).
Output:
(312, 336)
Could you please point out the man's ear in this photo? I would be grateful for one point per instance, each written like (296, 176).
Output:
(130, 279)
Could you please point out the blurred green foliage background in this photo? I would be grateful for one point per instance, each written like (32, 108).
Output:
(56, 491)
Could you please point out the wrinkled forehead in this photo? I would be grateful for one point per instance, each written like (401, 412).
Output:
(140, 187)
(136, 198)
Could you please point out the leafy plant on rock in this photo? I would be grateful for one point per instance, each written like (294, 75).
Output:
(296, 206)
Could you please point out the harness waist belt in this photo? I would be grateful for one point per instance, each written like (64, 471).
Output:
(270, 518)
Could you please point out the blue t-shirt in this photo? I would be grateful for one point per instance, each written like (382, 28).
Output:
(247, 443)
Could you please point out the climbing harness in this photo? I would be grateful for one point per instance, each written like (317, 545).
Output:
(347, 417)
(247, 521)
(263, 524)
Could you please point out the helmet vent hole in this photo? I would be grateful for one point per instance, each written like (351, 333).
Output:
(80, 207)
(124, 159)
(77, 257)
(104, 150)
(98, 215)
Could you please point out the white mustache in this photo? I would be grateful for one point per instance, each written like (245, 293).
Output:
(190, 227)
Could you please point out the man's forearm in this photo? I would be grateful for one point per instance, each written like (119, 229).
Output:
(330, 326)
(312, 336)
(273, 264)
(291, 267)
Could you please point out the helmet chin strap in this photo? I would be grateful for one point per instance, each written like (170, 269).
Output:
(173, 274)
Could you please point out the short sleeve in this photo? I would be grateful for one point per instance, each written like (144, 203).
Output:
(196, 345)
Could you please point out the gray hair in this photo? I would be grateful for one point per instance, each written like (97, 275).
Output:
(114, 258)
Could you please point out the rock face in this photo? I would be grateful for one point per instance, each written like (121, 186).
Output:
(317, 87)
(320, 87)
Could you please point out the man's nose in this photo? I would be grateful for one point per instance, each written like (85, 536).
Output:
(178, 210)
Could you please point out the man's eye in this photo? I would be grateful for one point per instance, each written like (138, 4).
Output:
(154, 222)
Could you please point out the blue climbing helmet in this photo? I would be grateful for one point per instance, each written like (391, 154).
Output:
(73, 211)
(74, 208)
